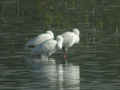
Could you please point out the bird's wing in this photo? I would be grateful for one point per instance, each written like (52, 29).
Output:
(38, 40)
(45, 47)
(41, 38)
(49, 47)
(51, 44)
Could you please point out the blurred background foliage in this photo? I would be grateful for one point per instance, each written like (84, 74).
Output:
(63, 13)
(97, 19)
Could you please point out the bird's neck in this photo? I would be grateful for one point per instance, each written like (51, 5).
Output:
(59, 44)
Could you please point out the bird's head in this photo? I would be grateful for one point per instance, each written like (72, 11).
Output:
(51, 33)
(76, 31)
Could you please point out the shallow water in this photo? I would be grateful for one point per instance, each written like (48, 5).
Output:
(90, 66)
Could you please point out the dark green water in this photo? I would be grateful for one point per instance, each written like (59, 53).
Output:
(93, 64)
(90, 65)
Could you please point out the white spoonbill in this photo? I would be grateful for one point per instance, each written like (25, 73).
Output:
(48, 47)
(39, 39)
(70, 38)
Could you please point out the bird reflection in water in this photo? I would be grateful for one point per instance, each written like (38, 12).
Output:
(56, 75)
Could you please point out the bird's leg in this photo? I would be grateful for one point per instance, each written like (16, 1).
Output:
(65, 53)
(65, 56)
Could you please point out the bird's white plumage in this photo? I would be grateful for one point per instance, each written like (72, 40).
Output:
(39, 39)
(47, 48)
(71, 38)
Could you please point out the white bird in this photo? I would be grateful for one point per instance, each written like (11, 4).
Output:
(48, 47)
(70, 38)
(39, 39)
